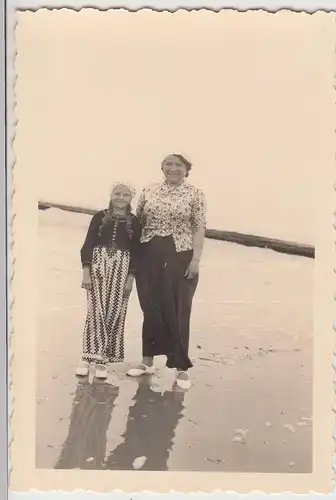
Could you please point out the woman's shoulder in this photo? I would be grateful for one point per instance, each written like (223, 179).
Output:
(194, 189)
(151, 187)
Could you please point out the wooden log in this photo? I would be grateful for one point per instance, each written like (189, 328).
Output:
(250, 240)
(44, 205)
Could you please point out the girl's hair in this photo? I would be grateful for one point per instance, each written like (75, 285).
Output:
(111, 217)
(182, 159)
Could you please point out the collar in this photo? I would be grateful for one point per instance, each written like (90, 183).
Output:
(166, 186)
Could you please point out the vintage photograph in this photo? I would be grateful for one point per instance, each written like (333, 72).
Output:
(174, 162)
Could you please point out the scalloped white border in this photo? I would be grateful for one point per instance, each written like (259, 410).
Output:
(173, 5)
(12, 121)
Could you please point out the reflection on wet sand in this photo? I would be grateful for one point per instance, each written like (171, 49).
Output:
(92, 407)
(149, 433)
(150, 429)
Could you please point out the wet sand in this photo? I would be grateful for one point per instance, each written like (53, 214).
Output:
(250, 405)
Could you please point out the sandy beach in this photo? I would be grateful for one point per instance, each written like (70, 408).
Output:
(250, 405)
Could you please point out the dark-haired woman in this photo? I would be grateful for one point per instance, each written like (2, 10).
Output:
(109, 258)
(172, 216)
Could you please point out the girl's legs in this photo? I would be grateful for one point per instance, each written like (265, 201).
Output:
(106, 311)
(95, 333)
(117, 309)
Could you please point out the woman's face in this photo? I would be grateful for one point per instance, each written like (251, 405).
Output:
(121, 197)
(174, 170)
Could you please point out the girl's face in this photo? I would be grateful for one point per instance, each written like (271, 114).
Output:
(174, 170)
(121, 197)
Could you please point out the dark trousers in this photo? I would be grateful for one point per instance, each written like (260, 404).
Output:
(165, 297)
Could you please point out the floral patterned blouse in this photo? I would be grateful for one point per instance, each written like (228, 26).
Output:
(177, 211)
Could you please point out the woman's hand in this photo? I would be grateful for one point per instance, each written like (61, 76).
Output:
(193, 269)
(128, 285)
(86, 279)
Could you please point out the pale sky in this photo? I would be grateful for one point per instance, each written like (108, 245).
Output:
(104, 95)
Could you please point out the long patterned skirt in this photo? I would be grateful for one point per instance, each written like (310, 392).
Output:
(165, 296)
(103, 339)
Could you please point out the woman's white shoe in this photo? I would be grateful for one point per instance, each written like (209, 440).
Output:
(101, 371)
(82, 369)
(183, 382)
(141, 370)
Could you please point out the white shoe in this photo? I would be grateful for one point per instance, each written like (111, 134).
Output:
(182, 383)
(82, 369)
(141, 370)
(101, 371)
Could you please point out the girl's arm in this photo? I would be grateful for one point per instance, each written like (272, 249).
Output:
(135, 246)
(198, 222)
(90, 240)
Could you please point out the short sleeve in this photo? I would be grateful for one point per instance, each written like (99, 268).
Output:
(198, 211)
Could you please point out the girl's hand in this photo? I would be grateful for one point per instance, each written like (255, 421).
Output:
(193, 269)
(86, 280)
(128, 285)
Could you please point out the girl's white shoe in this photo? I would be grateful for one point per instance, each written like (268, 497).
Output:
(101, 371)
(141, 370)
(82, 369)
(182, 381)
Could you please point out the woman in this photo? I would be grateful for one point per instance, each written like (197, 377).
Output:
(172, 216)
(109, 258)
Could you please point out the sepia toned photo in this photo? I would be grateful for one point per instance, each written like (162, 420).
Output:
(173, 227)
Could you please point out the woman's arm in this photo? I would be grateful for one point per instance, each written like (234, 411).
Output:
(198, 224)
(140, 208)
(90, 240)
(135, 247)
(198, 243)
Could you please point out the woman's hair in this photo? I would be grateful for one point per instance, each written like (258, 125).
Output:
(182, 159)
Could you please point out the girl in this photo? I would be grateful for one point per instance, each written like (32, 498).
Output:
(109, 258)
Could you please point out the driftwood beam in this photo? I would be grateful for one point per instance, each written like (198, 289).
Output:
(262, 242)
(68, 208)
(216, 234)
